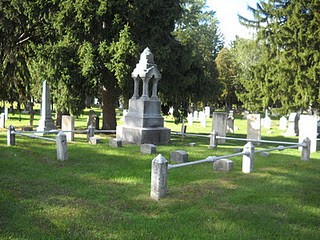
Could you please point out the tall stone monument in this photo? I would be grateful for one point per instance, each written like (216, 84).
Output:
(143, 122)
(45, 123)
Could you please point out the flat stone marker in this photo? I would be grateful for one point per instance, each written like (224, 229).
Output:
(179, 156)
(225, 165)
(115, 142)
(148, 148)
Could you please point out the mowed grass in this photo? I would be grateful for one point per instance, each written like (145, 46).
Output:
(103, 193)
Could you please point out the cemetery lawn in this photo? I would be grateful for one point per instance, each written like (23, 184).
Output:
(103, 193)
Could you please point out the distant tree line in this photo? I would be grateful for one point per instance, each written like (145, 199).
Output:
(280, 68)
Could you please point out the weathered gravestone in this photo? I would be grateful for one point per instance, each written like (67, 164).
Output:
(67, 125)
(254, 127)
(46, 122)
(144, 123)
(179, 156)
(225, 165)
(148, 148)
(230, 125)
(219, 125)
(93, 120)
(308, 129)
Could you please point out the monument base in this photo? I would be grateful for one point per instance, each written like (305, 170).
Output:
(135, 135)
(45, 125)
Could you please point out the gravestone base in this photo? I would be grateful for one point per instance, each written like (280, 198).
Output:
(45, 125)
(136, 135)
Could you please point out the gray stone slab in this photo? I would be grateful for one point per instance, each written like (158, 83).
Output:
(148, 148)
(225, 165)
(115, 142)
(179, 156)
(94, 140)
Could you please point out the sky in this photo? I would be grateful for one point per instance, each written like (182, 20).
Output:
(226, 12)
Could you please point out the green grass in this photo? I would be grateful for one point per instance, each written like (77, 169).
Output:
(103, 192)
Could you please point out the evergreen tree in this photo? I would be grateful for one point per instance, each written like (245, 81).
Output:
(15, 33)
(289, 71)
(199, 34)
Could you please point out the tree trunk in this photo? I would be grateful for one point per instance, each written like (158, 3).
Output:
(109, 101)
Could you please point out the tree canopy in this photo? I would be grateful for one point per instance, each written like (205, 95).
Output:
(287, 73)
(89, 48)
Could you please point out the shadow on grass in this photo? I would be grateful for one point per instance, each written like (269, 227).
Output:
(103, 193)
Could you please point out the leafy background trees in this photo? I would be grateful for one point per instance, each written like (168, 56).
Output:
(89, 48)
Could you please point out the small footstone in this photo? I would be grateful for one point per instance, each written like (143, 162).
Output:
(115, 142)
(148, 148)
(179, 156)
(225, 165)
(94, 140)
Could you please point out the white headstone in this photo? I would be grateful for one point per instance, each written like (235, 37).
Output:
(254, 126)
(2, 121)
(308, 129)
(283, 123)
(202, 118)
(207, 111)
(6, 113)
(267, 122)
(171, 110)
(195, 116)
(190, 119)
(67, 125)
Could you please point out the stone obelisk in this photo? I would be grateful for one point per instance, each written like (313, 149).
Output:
(45, 123)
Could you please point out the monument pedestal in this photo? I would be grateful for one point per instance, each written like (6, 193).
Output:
(143, 122)
(137, 135)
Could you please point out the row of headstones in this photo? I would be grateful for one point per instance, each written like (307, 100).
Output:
(306, 125)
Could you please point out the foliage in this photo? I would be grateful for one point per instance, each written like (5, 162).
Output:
(288, 72)
(14, 35)
(228, 72)
(198, 32)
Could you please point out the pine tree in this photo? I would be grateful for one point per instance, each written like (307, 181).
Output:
(289, 70)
